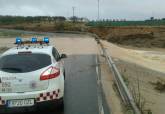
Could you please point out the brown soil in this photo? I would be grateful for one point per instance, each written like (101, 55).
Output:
(2, 49)
(133, 36)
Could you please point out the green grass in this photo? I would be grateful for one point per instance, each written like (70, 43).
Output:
(127, 23)
(6, 33)
(15, 33)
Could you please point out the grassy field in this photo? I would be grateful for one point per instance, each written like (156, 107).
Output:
(126, 23)
(47, 26)
(10, 33)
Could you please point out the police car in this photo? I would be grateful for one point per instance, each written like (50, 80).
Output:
(31, 76)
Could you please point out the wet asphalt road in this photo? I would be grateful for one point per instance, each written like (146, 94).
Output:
(81, 85)
(81, 94)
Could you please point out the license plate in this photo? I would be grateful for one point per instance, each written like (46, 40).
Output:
(20, 103)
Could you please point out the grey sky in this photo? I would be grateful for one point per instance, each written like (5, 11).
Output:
(112, 9)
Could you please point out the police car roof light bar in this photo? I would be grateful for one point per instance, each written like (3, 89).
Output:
(34, 40)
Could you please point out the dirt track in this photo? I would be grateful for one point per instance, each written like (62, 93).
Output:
(154, 60)
(70, 44)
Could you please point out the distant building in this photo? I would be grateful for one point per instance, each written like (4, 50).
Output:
(77, 19)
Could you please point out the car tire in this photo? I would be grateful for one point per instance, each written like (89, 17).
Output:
(61, 104)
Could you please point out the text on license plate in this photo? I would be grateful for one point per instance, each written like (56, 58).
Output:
(20, 103)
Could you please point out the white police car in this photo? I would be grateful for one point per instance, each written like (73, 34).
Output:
(31, 76)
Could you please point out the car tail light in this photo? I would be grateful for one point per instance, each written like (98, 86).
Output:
(51, 72)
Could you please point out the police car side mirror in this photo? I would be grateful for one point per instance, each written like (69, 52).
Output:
(63, 56)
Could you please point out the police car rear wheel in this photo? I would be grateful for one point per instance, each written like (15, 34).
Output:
(61, 104)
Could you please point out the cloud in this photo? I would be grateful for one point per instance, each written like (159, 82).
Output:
(129, 9)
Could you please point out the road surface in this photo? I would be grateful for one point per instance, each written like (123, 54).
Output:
(81, 89)
(81, 85)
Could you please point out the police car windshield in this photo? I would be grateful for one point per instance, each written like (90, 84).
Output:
(21, 63)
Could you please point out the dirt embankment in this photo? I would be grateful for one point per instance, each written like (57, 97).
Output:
(147, 37)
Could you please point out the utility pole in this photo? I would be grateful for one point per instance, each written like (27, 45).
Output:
(98, 18)
(73, 8)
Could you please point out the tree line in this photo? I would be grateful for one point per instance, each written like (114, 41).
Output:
(29, 19)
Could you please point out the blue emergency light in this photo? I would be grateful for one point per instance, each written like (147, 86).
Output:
(34, 40)
(18, 40)
(46, 40)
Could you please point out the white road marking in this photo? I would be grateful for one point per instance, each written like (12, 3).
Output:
(101, 109)
(97, 68)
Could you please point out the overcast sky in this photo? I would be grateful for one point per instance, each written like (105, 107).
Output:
(111, 9)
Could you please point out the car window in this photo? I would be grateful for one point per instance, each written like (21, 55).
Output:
(56, 54)
(21, 63)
